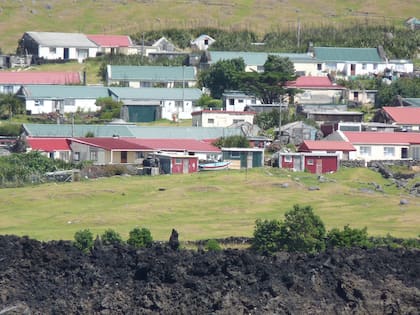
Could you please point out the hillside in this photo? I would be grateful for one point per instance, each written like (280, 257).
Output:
(134, 16)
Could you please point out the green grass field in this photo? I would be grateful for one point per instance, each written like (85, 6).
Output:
(205, 205)
(130, 17)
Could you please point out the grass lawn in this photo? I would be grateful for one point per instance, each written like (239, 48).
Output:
(205, 205)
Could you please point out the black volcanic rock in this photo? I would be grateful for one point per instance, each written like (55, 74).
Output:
(56, 278)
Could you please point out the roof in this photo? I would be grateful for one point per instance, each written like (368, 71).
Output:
(314, 82)
(312, 145)
(374, 137)
(198, 133)
(227, 112)
(110, 40)
(404, 115)
(55, 39)
(412, 101)
(190, 145)
(48, 144)
(76, 130)
(256, 58)
(37, 77)
(64, 91)
(111, 144)
(156, 93)
(344, 54)
(151, 73)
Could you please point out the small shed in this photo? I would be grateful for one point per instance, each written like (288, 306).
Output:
(172, 163)
(315, 163)
(243, 157)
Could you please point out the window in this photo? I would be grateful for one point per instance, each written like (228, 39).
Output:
(375, 66)
(179, 104)
(39, 102)
(389, 151)
(365, 151)
(140, 155)
(8, 89)
(287, 158)
(235, 121)
(69, 102)
(210, 121)
(240, 101)
(178, 161)
(53, 50)
(319, 66)
(93, 155)
(76, 156)
(364, 66)
(231, 101)
(310, 162)
(206, 42)
(235, 154)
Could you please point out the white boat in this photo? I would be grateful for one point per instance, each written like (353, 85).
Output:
(213, 165)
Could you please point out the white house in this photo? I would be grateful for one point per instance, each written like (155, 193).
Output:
(58, 46)
(220, 118)
(238, 101)
(202, 42)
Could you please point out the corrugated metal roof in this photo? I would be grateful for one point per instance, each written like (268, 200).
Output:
(256, 58)
(48, 144)
(64, 91)
(55, 39)
(156, 93)
(190, 145)
(313, 82)
(344, 54)
(374, 137)
(404, 115)
(412, 101)
(198, 133)
(37, 77)
(312, 145)
(68, 130)
(151, 73)
(110, 40)
(111, 144)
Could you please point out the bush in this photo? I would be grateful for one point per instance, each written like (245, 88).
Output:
(348, 238)
(83, 240)
(140, 238)
(213, 245)
(110, 237)
(266, 236)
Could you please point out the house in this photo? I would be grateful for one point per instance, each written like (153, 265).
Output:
(54, 148)
(220, 118)
(238, 101)
(243, 157)
(317, 90)
(383, 145)
(412, 23)
(361, 97)
(202, 42)
(57, 46)
(414, 102)
(323, 116)
(11, 82)
(112, 44)
(151, 76)
(341, 148)
(329, 127)
(177, 163)
(298, 131)
(316, 163)
(45, 99)
(405, 117)
(150, 104)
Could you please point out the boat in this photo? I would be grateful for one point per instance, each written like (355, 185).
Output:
(213, 165)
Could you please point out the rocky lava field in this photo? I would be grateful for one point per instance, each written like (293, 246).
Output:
(56, 278)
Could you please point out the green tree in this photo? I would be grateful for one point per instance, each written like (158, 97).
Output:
(83, 240)
(110, 237)
(221, 76)
(110, 108)
(232, 142)
(140, 237)
(348, 237)
(10, 105)
(206, 101)
(267, 237)
(213, 245)
(302, 231)
(404, 87)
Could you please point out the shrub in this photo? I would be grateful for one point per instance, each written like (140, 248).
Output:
(140, 238)
(110, 237)
(213, 245)
(266, 236)
(83, 240)
(302, 231)
(348, 237)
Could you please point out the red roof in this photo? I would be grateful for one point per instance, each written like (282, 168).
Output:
(111, 144)
(382, 137)
(32, 77)
(48, 144)
(190, 145)
(110, 40)
(228, 112)
(404, 115)
(322, 145)
(314, 83)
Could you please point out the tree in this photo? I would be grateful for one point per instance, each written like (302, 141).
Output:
(221, 76)
(232, 142)
(109, 108)
(206, 101)
(10, 105)
(213, 245)
(348, 237)
(266, 236)
(404, 87)
(83, 240)
(140, 237)
(110, 237)
(269, 86)
(302, 231)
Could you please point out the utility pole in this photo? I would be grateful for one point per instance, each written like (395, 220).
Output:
(280, 119)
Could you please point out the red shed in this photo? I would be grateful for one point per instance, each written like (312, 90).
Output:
(312, 162)
(177, 163)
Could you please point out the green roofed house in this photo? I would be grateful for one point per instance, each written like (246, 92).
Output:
(151, 76)
(150, 104)
(45, 99)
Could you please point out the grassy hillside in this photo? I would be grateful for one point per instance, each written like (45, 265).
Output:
(206, 205)
(132, 16)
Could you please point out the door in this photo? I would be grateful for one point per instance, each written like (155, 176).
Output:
(356, 96)
(297, 162)
(404, 153)
(352, 69)
(318, 166)
(66, 53)
(123, 156)
(185, 164)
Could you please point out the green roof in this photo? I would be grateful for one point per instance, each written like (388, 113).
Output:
(198, 133)
(415, 102)
(64, 91)
(256, 58)
(155, 93)
(341, 54)
(151, 73)
(68, 130)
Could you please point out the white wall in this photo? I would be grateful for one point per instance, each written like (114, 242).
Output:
(377, 152)
(49, 106)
